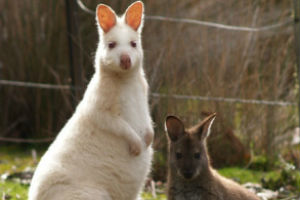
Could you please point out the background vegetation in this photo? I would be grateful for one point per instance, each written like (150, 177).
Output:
(179, 59)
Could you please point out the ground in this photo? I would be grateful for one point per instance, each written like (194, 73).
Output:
(16, 165)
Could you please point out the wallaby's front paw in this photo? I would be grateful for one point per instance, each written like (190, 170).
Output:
(148, 138)
(135, 147)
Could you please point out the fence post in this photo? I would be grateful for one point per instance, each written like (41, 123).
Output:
(297, 47)
(75, 50)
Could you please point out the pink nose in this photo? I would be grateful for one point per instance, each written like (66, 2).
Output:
(125, 61)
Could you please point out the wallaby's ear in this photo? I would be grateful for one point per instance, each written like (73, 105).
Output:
(134, 15)
(203, 129)
(106, 17)
(175, 128)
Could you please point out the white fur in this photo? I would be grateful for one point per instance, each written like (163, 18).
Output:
(90, 158)
(209, 127)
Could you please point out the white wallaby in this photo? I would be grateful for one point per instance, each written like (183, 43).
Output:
(104, 151)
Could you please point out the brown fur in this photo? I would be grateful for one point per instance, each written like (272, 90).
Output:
(222, 139)
(191, 176)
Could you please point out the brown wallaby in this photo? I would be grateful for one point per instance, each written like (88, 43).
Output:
(190, 175)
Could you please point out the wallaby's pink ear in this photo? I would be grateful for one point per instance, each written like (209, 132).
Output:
(106, 17)
(203, 129)
(134, 15)
(175, 128)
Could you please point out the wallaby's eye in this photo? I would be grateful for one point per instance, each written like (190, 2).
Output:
(178, 155)
(197, 155)
(133, 44)
(112, 45)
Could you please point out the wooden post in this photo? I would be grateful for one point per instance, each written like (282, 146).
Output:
(75, 52)
(297, 43)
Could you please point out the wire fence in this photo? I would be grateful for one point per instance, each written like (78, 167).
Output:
(155, 95)
(29, 141)
(36, 85)
(272, 27)
(223, 26)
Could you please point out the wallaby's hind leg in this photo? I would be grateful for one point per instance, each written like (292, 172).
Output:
(89, 193)
(77, 193)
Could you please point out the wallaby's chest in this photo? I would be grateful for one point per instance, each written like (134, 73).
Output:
(186, 196)
(181, 191)
(134, 105)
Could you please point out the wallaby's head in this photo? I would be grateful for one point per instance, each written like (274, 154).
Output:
(120, 47)
(187, 147)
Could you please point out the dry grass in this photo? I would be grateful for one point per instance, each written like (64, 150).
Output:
(180, 59)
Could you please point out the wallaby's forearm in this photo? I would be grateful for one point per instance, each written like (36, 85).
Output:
(116, 125)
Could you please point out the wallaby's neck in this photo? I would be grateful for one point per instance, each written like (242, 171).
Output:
(104, 72)
(201, 186)
(113, 79)
(106, 87)
(106, 83)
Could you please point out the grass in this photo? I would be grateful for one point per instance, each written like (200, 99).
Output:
(245, 175)
(13, 160)
(148, 196)
(179, 59)
(15, 190)
(18, 160)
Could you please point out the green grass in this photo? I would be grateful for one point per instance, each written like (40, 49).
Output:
(15, 190)
(14, 159)
(241, 175)
(148, 196)
(17, 160)
(245, 175)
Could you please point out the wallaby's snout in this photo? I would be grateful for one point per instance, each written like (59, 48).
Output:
(125, 61)
(188, 174)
